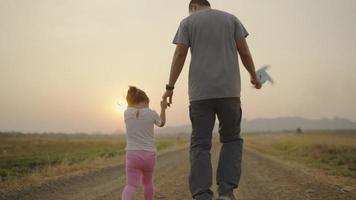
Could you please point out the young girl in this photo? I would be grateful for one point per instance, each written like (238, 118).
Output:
(140, 148)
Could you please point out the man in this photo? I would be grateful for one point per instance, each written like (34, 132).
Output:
(215, 38)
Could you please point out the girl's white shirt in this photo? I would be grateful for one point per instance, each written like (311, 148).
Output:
(139, 128)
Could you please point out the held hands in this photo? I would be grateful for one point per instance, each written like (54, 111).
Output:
(168, 94)
(164, 105)
(256, 82)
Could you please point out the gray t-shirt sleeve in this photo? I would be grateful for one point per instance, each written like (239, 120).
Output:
(182, 36)
(240, 31)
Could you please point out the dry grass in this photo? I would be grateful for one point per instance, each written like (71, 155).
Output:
(334, 152)
(27, 159)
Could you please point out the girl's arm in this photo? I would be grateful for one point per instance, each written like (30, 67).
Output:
(164, 105)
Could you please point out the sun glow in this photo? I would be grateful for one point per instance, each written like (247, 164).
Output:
(121, 106)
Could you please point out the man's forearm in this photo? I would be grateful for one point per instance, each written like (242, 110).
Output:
(176, 67)
(249, 64)
(246, 56)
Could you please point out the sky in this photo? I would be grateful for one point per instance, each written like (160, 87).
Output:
(64, 64)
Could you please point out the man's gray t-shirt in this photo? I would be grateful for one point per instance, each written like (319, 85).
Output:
(214, 69)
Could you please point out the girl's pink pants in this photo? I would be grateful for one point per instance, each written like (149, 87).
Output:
(139, 167)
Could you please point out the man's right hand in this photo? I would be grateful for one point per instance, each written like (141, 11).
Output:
(168, 95)
(256, 82)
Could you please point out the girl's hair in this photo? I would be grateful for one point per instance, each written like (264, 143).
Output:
(135, 96)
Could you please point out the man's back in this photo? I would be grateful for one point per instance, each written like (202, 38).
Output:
(214, 71)
(215, 39)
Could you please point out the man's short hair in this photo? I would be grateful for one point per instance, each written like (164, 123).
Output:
(199, 2)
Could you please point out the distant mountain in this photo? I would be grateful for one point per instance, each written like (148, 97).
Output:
(174, 129)
(279, 124)
(292, 123)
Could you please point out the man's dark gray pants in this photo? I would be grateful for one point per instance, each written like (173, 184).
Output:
(202, 115)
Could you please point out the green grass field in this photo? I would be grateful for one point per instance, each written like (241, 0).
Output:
(334, 152)
(50, 155)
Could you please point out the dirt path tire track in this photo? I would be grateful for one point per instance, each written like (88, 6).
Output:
(263, 179)
(268, 179)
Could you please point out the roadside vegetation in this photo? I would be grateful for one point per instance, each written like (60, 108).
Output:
(334, 152)
(32, 158)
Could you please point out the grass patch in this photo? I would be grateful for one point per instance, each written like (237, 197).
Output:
(334, 152)
(23, 155)
(38, 156)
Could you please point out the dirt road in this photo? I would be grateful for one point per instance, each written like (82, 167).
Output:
(263, 179)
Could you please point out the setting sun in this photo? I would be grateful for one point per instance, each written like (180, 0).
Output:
(121, 106)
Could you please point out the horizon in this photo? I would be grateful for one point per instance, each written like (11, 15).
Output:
(64, 66)
(244, 120)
